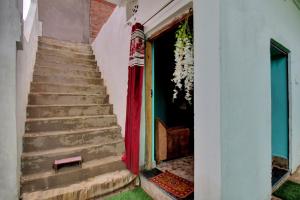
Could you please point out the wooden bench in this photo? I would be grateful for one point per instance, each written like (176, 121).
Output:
(67, 161)
(172, 142)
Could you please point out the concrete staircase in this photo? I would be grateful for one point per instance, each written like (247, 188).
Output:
(69, 114)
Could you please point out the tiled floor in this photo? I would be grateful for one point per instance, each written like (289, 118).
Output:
(183, 167)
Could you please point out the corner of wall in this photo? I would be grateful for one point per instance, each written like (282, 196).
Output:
(24, 71)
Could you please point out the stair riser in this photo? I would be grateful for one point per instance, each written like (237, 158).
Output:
(66, 68)
(53, 99)
(57, 63)
(94, 188)
(67, 80)
(63, 60)
(57, 56)
(69, 124)
(73, 48)
(68, 111)
(70, 178)
(66, 53)
(44, 163)
(31, 144)
(76, 73)
(48, 40)
(68, 89)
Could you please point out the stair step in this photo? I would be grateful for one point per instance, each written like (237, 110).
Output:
(63, 63)
(61, 139)
(39, 111)
(64, 60)
(60, 88)
(97, 186)
(66, 79)
(67, 67)
(65, 177)
(52, 40)
(45, 71)
(65, 52)
(41, 161)
(81, 47)
(65, 99)
(65, 48)
(69, 123)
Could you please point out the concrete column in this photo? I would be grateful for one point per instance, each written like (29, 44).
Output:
(207, 100)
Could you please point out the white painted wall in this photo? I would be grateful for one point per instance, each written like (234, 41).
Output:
(25, 65)
(232, 89)
(246, 30)
(26, 6)
(111, 48)
(10, 33)
(207, 137)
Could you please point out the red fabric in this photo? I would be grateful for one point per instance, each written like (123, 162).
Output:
(134, 99)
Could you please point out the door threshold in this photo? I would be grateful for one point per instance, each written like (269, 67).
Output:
(282, 180)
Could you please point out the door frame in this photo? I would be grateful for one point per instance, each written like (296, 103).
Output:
(287, 52)
(149, 82)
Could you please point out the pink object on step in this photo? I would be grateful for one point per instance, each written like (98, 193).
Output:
(57, 163)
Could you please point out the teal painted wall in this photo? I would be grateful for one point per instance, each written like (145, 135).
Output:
(279, 102)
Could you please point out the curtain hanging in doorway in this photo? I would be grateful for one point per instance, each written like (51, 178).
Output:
(134, 98)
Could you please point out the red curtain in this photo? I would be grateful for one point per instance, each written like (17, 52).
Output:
(134, 98)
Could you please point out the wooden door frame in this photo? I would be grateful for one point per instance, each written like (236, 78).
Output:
(148, 105)
(149, 90)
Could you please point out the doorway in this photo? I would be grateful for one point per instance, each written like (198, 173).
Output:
(279, 112)
(173, 117)
(169, 122)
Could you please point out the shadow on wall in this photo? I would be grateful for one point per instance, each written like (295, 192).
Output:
(65, 20)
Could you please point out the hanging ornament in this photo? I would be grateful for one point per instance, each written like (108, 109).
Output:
(183, 76)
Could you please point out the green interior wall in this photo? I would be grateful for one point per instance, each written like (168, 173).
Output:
(279, 103)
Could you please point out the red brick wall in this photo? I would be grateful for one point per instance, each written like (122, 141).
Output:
(100, 11)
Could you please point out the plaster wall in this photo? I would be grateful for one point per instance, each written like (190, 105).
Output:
(10, 32)
(26, 7)
(246, 28)
(111, 48)
(25, 65)
(207, 105)
(232, 90)
(65, 20)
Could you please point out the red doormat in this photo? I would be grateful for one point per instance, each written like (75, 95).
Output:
(177, 186)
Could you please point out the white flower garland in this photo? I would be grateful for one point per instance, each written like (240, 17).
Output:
(184, 62)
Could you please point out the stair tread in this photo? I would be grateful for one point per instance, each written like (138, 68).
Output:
(64, 55)
(84, 185)
(92, 163)
(83, 69)
(63, 93)
(65, 149)
(63, 42)
(68, 132)
(51, 62)
(68, 76)
(68, 105)
(67, 117)
(68, 85)
(64, 50)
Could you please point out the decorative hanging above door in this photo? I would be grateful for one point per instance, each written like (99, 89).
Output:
(132, 7)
